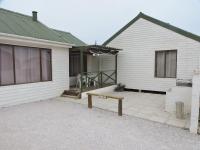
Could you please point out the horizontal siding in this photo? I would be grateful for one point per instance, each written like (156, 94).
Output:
(108, 62)
(92, 63)
(137, 60)
(23, 93)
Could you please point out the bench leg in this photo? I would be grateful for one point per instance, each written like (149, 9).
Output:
(120, 107)
(89, 101)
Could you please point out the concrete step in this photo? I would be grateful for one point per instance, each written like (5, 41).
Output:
(76, 94)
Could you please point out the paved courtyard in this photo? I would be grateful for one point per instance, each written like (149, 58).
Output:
(143, 105)
(62, 125)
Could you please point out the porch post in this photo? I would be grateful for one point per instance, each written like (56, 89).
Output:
(116, 69)
(99, 72)
(81, 69)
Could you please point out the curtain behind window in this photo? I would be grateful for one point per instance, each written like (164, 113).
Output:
(6, 65)
(160, 64)
(27, 64)
(171, 64)
(34, 64)
(46, 64)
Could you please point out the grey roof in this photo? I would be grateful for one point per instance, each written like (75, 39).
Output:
(71, 38)
(23, 25)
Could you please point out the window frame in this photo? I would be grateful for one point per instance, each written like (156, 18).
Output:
(155, 69)
(14, 67)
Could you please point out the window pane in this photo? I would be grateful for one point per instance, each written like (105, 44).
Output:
(27, 64)
(160, 64)
(171, 64)
(34, 64)
(46, 64)
(6, 65)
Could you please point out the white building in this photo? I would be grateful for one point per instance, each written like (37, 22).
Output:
(157, 56)
(34, 62)
(142, 40)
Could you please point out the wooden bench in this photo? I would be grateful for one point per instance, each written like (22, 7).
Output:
(105, 97)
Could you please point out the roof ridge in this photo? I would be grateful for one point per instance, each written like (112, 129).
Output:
(144, 15)
(65, 32)
(158, 22)
(60, 36)
(61, 30)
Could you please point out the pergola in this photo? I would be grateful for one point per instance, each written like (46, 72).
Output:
(95, 50)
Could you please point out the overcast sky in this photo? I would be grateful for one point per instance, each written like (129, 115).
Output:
(92, 20)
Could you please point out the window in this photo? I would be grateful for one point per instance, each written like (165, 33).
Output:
(27, 64)
(20, 64)
(166, 64)
(6, 65)
(46, 65)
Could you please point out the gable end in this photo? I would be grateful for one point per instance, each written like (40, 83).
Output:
(158, 22)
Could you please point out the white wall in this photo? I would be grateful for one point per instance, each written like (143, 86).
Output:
(23, 93)
(178, 94)
(107, 62)
(92, 63)
(195, 104)
(137, 60)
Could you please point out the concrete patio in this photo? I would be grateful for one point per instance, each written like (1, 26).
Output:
(143, 105)
(61, 125)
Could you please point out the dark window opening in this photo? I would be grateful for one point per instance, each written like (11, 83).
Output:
(166, 64)
(75, 64)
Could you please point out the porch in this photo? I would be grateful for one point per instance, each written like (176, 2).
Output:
(92, 67)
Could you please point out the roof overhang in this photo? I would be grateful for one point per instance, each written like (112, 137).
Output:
(7, 38)
(97, 49)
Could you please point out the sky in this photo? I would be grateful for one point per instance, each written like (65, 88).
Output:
(97, 20)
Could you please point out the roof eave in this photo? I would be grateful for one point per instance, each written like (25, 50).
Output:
(18, 38)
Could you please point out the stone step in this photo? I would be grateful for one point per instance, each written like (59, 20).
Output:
(72, 94)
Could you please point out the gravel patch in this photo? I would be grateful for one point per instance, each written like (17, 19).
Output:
(62, 125)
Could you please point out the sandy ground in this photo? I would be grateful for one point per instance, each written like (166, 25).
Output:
(64, 125)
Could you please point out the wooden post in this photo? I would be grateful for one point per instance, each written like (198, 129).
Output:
(101, 76)
(81, 69)
(120, 107)
(89, 101)
(116, 69)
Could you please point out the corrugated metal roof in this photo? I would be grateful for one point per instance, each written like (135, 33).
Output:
(23, 25)
(71, 38)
